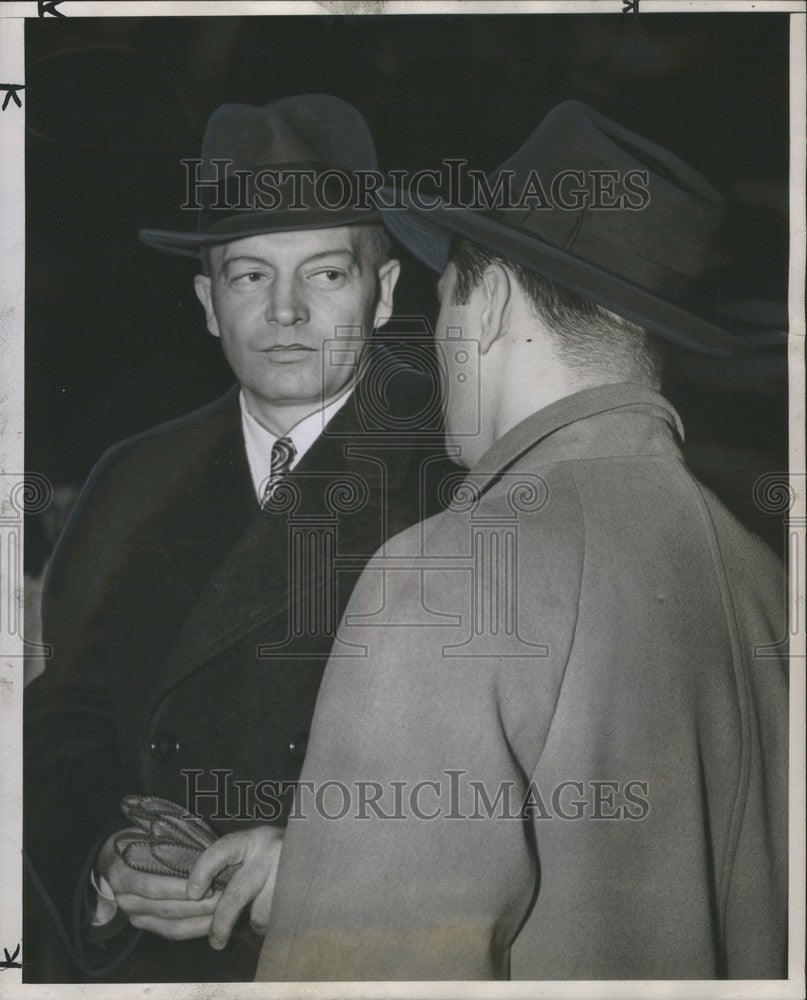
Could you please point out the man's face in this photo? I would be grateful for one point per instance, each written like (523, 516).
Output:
(275, 300)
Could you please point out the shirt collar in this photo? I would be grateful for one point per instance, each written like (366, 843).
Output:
(259, 441)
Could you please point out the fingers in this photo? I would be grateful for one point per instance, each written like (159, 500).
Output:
(127, 881)
(262, 904)
(223, 852)
(260, 849)
(242, 888)
(171, 909)
(175, 930)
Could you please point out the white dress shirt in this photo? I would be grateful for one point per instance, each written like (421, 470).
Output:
(259, 441)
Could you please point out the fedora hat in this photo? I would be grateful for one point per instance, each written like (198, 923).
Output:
(274, 168)
(609, 215)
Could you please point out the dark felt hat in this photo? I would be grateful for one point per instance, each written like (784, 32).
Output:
(289, 164)
(614, 217)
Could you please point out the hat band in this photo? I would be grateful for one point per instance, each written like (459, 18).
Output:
(284, 196)
(576, 237)
(252, 223)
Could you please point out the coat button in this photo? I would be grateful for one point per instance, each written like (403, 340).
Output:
(298, 745)
(164, 745)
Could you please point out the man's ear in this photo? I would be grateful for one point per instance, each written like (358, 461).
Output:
(204, 293)
(388, 275)
(496, 291)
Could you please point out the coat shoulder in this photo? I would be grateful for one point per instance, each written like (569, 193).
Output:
(130, 477)
(659, 492)
(160, 448)
(545, 506)
(541, 513)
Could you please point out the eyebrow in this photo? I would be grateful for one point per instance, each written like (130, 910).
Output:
(342, 251)
(249, 259)
(245, 259)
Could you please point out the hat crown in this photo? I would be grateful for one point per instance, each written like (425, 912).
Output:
(634, 195)
(310, 128)
(574, 136)
(305, 140)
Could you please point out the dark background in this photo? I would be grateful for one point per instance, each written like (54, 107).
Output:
(115, 339)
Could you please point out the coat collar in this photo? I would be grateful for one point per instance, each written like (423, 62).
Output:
(645, 422)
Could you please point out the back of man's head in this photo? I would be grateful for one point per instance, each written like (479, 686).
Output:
(595, 343)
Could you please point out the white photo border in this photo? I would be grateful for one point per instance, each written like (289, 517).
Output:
(12, 398)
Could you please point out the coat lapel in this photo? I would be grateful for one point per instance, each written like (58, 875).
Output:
(208, 508)
(251, 584)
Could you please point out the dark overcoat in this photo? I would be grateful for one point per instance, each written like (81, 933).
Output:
(189, 631)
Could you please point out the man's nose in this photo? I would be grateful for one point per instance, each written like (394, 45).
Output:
(286, 305)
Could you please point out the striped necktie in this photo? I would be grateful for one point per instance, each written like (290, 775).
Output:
(283, 452)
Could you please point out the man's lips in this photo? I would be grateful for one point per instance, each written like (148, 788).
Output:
(287, 352)
(287, 347)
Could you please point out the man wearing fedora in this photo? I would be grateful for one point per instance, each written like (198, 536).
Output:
(568, 698)
(194, 595)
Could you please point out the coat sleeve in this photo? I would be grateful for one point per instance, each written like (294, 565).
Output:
(432, 880)
(72, 774)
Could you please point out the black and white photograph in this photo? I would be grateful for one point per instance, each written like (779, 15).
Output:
(402, 509)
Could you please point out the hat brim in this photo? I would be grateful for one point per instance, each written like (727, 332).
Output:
(427, 234)
(252, 224)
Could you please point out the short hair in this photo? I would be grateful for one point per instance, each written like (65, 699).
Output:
(375, 240)
(590, 338)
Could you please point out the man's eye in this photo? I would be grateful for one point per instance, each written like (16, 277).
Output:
(249, 278)
(330, 277)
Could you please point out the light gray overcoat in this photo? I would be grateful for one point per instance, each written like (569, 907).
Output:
(597, 636)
